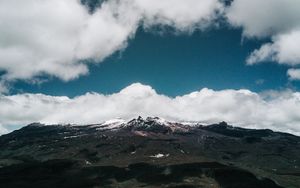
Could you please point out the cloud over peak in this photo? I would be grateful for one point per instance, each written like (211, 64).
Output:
(275, 110)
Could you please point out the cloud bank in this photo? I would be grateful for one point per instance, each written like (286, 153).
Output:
(55, 37)
(277, 19)
(275, 110)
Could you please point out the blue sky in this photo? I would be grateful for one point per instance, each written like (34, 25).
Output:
(183, 60)
(176, 64)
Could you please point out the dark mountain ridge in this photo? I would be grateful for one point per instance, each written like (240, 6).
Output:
(149, 152)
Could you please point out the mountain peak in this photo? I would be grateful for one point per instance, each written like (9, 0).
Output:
(36, 124)
(155, 141)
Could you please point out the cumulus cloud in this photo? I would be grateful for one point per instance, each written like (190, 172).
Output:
(54, 37)
(277, 19)
(276, 110)
(183, 15)
(294, 74)
(3, 87)
(285, 49)
(264, 18)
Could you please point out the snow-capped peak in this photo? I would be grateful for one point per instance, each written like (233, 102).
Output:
(148, 121)
(158, 120)
(155, 124)
(112, 124)
(117, 121)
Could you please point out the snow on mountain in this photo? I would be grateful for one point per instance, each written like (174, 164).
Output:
(113, 123)
(155, 124)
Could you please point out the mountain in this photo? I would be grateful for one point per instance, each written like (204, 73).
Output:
(150, 152)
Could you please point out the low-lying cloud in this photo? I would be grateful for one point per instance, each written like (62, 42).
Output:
(275, 110)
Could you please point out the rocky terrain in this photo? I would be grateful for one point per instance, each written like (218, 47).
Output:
(149, 152)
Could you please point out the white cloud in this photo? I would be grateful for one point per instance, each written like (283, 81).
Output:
(51, 37)
(3, 87)
(276, 110)
(183, 15)
(3, 130)
(285, 49)
(264, 18)
(294, 74)
(278, 19)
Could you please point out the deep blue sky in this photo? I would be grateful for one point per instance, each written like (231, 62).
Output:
(175, 65)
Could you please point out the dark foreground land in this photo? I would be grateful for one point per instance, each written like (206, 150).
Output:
(148, 153)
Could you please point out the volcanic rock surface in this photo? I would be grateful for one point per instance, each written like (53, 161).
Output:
(149, 152)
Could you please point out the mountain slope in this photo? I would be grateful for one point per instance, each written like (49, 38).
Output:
(121, 153)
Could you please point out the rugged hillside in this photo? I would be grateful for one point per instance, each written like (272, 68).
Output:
(148, 152)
